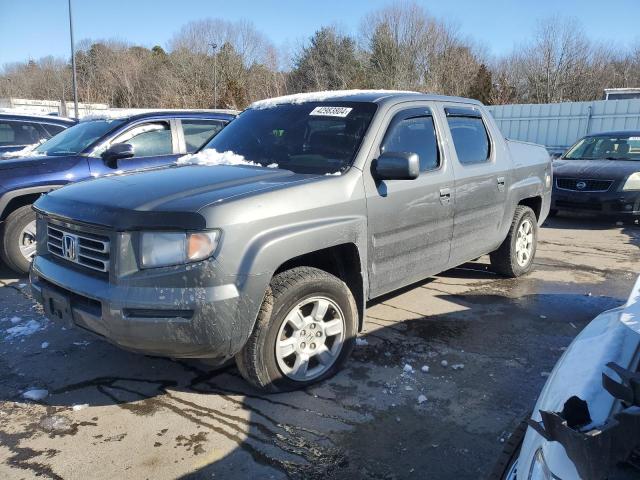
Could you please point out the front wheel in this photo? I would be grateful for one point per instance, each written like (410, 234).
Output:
(19, 239)
(515, 256)
(304, 332)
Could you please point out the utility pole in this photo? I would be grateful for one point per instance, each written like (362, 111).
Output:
(73, 64)
(214, 46)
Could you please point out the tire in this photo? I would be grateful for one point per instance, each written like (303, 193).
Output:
(506, 466)
(299, 290)
(13, 236)
(506, 260)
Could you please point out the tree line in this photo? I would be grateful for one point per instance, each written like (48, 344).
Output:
(398, 47)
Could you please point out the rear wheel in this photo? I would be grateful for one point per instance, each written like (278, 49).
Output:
(515, 256)
(304, 332)
(19, 239)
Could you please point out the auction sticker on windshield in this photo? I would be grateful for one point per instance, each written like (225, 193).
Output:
(331, 111)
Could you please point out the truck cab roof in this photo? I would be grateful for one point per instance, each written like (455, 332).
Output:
(370, 96)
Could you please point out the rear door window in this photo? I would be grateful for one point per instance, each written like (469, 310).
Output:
(53, 129)
(198, 132)
(470, 137)
(20, 133)
(7, 135)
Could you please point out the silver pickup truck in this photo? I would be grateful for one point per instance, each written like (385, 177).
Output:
(266, 245)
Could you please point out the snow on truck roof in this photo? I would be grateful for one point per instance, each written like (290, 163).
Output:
(373, 96)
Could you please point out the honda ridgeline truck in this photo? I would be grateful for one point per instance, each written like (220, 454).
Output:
(266, 244)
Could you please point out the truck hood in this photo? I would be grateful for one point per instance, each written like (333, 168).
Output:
(161, 198)
(595, 169)
(613, 336)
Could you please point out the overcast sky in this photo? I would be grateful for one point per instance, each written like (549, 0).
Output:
(37, 28)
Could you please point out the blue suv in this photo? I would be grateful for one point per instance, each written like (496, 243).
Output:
(93, 148)
(18, 131)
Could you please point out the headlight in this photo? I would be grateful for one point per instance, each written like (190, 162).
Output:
(633, 182)
(539, 469)
(162, 249)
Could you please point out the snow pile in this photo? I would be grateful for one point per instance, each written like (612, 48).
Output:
(299, 98)
(212, 157)
(29, 328)
(458, 366)
(444, 363)
(24, 152)
(425, 369)
(35, 394)
(408, 368)
(421, 399)
(79, 407)
(44, 345)
(361, 342)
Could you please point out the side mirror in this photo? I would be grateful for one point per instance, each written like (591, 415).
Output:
(397, 166)
(117, 152)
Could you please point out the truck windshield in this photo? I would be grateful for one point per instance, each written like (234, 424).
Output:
(313, 137)
(75, 139)
(606, 147)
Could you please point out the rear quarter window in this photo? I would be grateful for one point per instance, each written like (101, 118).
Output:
(470, 137)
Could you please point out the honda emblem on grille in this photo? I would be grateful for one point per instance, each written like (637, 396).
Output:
(70, 247)
(581, 185)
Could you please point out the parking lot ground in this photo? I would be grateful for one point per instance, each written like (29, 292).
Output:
(488, 343)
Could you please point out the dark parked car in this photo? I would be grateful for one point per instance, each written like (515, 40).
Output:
(18, 131)
(92, 148)
(600, 174)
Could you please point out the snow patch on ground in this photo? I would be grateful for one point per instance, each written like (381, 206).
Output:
(408, 368)
(298, 98)
(361, 342)
(35, 394)
(29, 328)
(212, 157)
(421, 399)
(79, 407)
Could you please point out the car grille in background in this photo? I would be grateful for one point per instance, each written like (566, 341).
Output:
(580, 185)
(88, 250)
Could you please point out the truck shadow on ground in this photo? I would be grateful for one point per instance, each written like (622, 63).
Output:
(319, 432)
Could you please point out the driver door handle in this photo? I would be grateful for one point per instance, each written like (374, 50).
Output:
(445, 196)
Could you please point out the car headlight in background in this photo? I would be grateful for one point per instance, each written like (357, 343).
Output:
(633, 182)
(162, 249)
(539, 469)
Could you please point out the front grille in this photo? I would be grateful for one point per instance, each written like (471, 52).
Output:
(85, 249)
(583, 185)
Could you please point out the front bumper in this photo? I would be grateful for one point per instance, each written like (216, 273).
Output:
(623, 204)
(196, 322)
